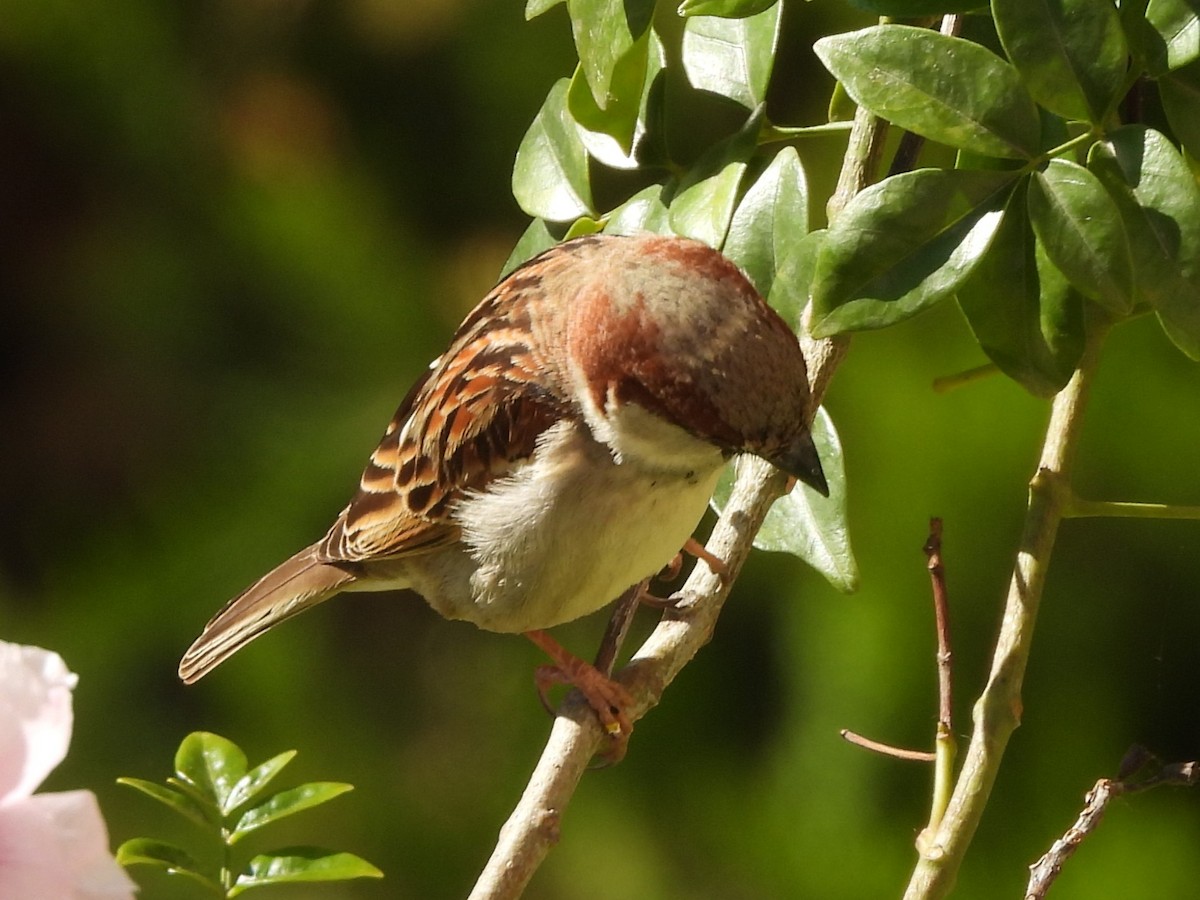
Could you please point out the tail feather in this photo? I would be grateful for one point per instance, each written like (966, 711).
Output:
(290, 588)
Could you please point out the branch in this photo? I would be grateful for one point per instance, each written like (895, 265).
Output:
(1045, 870)
(997, 712)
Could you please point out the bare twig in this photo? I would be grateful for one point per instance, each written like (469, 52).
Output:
(1045, 870)
(866, 743)
(945, 747)
(941, 614)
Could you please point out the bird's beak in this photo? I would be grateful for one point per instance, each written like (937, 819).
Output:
(801, 460)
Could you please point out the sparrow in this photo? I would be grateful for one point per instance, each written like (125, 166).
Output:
(561, 451)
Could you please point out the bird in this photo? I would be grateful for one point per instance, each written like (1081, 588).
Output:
(560, 451)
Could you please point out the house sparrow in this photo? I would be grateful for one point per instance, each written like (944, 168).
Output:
(559, 452)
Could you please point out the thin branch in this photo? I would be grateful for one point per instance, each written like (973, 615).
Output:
(1045, 870)
(997, 713)
(866, 743)
(941, 614)
(945, 746)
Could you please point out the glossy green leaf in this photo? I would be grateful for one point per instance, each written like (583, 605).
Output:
(210, 763)
(1173, 40)
(286, 803)
(256, 780)
(730, 9)
(1071, 54)
(1157, 196)
(947, 89)
(702, 207)
(1023, 312)
(614, 136)
(302, 864)
(175, 860)
(793, 280)
(771, 216)
(1180, 93)
(644, 211)
(619, 117)
(732, 57)
(805, 524)
(534, 8)
(550, 175)
(207, 815)
(1081, 230)
(536, 238)
(606, 32)
(904, 244)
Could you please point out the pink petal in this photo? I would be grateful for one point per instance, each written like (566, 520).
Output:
(35, 718)
(55, 847)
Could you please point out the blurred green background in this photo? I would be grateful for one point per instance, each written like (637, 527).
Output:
(231, 234)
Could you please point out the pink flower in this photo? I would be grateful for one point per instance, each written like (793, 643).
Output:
(52, 846)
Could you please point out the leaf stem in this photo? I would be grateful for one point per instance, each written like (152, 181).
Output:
(997, 712)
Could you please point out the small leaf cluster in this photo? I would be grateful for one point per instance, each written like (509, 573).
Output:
(215, 789)
(1057, 213)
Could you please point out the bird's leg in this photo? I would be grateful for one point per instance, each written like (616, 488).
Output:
(607, 697)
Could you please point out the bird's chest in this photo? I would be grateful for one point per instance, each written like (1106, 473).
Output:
(571, 530)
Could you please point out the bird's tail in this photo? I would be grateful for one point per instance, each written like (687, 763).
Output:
(290, 588)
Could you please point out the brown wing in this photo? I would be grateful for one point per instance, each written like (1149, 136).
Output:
(475, 414)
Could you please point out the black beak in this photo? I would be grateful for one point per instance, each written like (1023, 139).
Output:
(801, 460)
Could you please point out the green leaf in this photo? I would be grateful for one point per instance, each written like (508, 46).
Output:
(703, 205)
(287, 803)
(302, 864)
(944, 88)
(606, 31)
(619, 117)
(176, 861)
(772, 215)
(903, 244)
(1160, 203)
(1071, 54)
(644, 211)
(534, 8)
(1173, 40)
(1082, 233)
(790, 291)
(1023, 312)
(205, 814)
(732, 57)
(550, 175)
(805, 524)
(210, 763)
(615, 135)
(1180, 93)
(730, 9)
(253, 782)
(536, 238)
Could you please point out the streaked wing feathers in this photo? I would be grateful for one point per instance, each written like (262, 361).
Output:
(475, 413)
